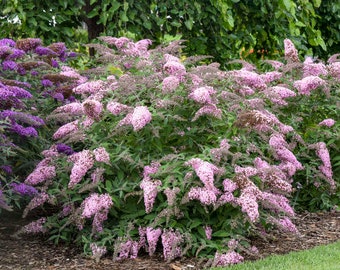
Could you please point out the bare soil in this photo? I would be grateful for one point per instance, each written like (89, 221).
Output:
(36, 253)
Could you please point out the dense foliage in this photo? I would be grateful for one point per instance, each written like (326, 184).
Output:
(221, 28)
(159, 151)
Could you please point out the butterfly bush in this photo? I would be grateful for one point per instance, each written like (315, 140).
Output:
(26, 96)
(164, 153)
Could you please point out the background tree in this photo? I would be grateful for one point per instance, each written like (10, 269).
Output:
(221, 28)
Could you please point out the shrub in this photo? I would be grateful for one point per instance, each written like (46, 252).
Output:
(163, 152)
(31, 86)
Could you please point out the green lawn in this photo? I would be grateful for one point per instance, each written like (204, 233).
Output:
(325, 257)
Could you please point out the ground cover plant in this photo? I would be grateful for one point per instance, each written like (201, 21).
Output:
(164, 152)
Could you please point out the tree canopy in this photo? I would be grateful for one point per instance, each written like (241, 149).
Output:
(221, 28)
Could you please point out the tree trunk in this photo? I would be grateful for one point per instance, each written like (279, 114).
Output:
(93, 29)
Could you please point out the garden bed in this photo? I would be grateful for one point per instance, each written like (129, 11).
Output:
(36, 253)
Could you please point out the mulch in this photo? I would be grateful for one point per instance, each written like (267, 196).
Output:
(33, 252)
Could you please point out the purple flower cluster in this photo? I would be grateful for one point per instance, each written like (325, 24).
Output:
(171, 195)
(73, 108)
(208, 232)
(277, 202)
(28, 44)
(210, 109)
(248, 202)
(287, 225)
(277, 94)
(35, 226)
(273, 176)
(66, 129)
(271, 76)
(205, 171)
(248, 78)
(91, 87)
(23, 189)
(7, 169)
(129, 48)
(65, 149)
(222, 151)
(174, 67)
(22, 117)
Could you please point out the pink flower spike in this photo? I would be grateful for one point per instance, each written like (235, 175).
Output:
(202, 94)
(226, 259)
(150, 189)
(208, 232)
(84, 162)
(101, 155)
(327, 122)
(291, 53)
(117, 108)
(307, 84)
(140, 117)
(152, 236)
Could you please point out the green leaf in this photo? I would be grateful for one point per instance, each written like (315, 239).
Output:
(147, 25)
(189, 24)
(176, 24)
(195, 223)
(221, 234)
(92, 13)
(108, 186)
(317, 3)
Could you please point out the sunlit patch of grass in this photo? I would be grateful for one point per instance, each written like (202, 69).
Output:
(326, 257)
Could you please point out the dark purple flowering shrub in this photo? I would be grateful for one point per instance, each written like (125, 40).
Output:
(185, 158)
(27, 95)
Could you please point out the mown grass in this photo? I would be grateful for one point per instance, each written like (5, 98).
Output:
(326, 257)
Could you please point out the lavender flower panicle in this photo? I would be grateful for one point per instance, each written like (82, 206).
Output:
(97, 206)
(152, 236)
(150, 191)
(35, 227)
(171, 244)
(327, 122)
(84, 161)
(97, 251)
(23, 189)
(291, 54)
(38, 200)
(101, 155)
(226, 259)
